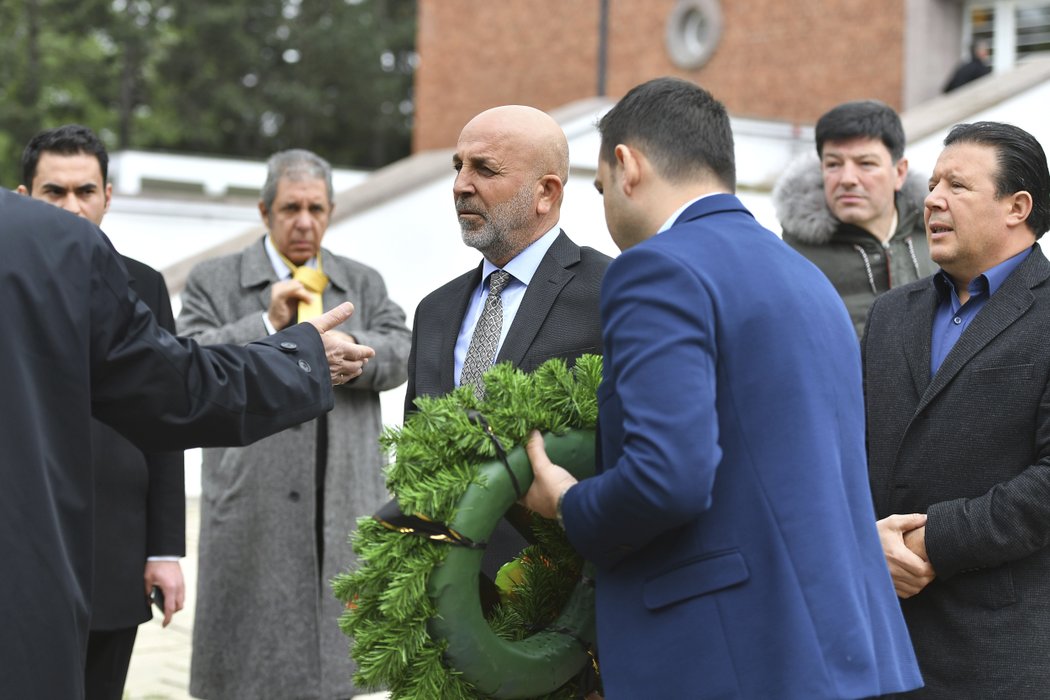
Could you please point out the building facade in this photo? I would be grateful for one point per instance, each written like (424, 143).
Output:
(781, 60)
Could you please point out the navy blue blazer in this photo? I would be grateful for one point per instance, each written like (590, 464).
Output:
(731, 521)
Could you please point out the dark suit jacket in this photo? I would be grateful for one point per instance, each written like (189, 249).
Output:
(140, 497)
(558, 317)
(970, 447)
(79, 343)
(731, 522)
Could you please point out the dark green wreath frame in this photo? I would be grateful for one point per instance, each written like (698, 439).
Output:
(412, 601)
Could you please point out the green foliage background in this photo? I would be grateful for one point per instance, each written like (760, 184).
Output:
(241, 78)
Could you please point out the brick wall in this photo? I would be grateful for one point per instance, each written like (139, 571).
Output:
(778, 59)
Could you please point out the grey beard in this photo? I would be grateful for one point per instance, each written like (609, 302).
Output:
(492, 243)
(498, 237)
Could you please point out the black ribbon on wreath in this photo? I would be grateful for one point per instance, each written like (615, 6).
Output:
(391, 517)
(501, 453)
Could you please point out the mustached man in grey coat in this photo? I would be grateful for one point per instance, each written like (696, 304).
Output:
(854, 210)
(276, 515)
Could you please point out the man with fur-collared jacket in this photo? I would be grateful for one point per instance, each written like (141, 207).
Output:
(855, 212)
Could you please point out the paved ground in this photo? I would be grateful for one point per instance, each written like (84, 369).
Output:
(160, 665)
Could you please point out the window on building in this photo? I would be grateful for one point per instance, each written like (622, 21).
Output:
(1014, 28)
(1033, 29)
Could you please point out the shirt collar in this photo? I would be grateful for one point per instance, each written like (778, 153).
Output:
(524, 265)
(990, 280)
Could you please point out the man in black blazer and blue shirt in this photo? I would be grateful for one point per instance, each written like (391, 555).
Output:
(957, 370)
(511, 164)
(140, 497)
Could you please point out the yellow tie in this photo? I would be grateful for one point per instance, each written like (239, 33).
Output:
(315, 282)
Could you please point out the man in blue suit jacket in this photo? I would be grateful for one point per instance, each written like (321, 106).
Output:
(731, 522)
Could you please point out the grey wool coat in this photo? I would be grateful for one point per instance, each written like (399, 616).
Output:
(266, 621)
(970, 447)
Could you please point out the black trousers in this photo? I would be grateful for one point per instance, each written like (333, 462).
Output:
(108, 658)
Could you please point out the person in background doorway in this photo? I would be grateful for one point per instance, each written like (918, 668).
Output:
(976, 67)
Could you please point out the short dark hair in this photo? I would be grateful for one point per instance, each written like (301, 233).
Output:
(683, 130)
(1021, 161)
(859, 119)
(67, 140)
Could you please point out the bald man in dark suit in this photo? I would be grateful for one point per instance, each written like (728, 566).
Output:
(511, 163)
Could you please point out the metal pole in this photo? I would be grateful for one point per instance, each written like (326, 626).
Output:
(603, 45)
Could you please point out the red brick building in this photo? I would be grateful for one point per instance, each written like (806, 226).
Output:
(772, 59)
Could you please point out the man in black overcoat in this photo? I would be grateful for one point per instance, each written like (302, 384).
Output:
(79, 343)
(140, 497)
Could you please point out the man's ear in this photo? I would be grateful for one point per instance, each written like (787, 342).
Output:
(902, 173)
(631, 163)
(551, 188)
(264, 214)
(21, 189)
(108, 192)
(1020, 204)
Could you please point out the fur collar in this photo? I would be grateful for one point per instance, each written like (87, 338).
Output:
(798, 198)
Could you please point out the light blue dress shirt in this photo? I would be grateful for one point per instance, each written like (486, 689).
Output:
(521, 268)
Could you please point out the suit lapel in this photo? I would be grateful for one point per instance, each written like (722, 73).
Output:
(338, 275)
(448, 320)
(1007, 305)
(257, 273)
(550, 278)
(922, 305)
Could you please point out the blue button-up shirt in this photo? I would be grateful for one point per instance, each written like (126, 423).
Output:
(952, 318)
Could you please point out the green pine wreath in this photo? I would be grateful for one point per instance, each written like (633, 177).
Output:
(411, 602)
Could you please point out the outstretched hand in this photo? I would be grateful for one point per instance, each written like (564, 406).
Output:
(346, 359)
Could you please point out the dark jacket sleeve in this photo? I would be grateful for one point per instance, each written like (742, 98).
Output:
(165, 393)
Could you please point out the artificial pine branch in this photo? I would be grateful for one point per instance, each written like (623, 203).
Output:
(437, 453)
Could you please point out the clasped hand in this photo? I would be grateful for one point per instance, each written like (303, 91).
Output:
(903, 539)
